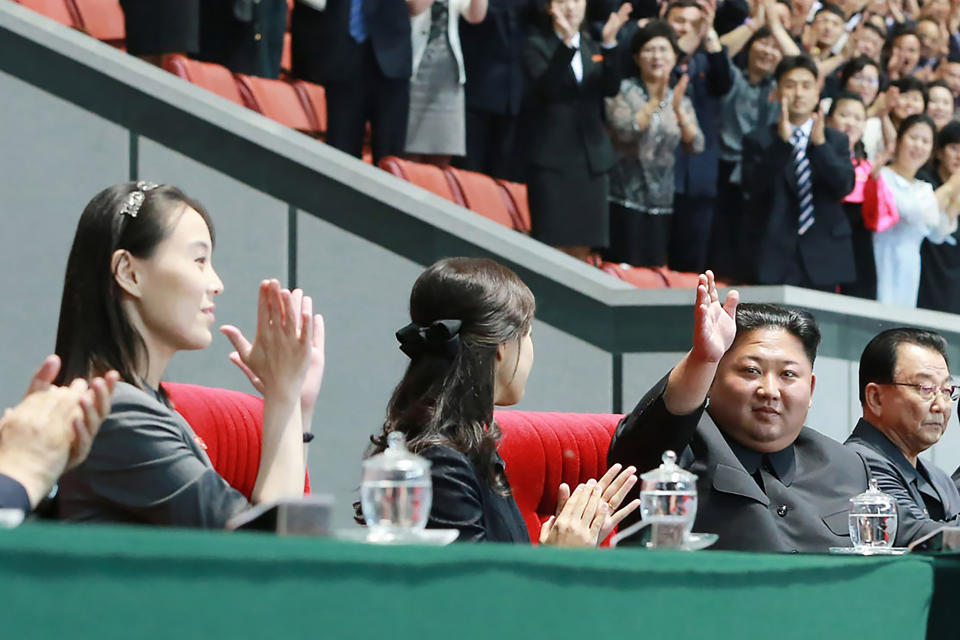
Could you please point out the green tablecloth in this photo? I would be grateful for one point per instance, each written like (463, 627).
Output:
(71, 581)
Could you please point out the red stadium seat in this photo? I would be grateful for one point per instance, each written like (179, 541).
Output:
(62, 11)
(483, 195)
(277, 100)
(212, 77)
(640, 277)
(230, 423)
(102, 19)
(314, 100)
(426, 176)
(681, 280)
(517, 193)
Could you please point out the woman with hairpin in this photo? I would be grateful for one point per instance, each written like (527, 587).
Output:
(139, 287)
(471, 349)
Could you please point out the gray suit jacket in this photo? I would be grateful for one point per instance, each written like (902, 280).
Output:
(805, 510)
(146, 466)
(898, 478)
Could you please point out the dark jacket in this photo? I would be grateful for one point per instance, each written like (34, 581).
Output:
(771, 208)
(493, 57)
(898, 478)
(325, 52)
(804, 510)
(563, 120)
(13, 495)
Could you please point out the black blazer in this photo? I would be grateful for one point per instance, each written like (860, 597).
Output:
(805, 511)
(464, 500)
(563, 120)
(898, 478)
(771, 208)
(324, 52)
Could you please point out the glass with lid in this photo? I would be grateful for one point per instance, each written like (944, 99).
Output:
(396, 490)
(668, 502)
(873, 519)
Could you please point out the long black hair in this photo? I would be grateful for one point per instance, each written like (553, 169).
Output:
(94, 334)
(446, 396)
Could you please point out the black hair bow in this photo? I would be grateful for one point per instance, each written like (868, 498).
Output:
(440, 337)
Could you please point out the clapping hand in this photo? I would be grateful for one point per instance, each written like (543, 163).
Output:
(714, 325)
(818, 134)
(783, 125)
(614, 23)
(679, 91)
(278, 359)
(562, 26)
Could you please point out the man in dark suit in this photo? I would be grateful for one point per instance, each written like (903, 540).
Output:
(493, 59)
(907, 397)
(765, 482)
(795, 176)
(360, 51)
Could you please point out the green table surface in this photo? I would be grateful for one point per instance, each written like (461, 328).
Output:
(75, 581)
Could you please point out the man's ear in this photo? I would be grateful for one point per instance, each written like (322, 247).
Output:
(872, 399)
(813, 385)
(123, 268)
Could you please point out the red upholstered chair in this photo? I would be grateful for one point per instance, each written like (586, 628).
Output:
(230, 424)
(277, 100)
(483, 195)
(211, 77)
(427, 176)
(62, 11)
(314, 100)
(542, 450)
(103, 19)
(640, 277)
(517, 193)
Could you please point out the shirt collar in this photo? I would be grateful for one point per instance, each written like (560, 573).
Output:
(782, 463)
(878, 440)
(574, 42)
(806, 128)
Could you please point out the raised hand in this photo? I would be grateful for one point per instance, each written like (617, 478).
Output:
(679, 91)
(615, 484)
(95, 404)
(714, 324)
(579, 519)
(818, 134)
(561, 25)
(280, 353)
(783, 125)
(44, 376)
(614, 23)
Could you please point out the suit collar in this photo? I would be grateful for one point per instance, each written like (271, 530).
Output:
(781, 463)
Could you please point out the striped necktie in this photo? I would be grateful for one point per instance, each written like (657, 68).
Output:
(358, 28)
(804, 186)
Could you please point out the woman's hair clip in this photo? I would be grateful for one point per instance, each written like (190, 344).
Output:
(134, 200)
(440, 337)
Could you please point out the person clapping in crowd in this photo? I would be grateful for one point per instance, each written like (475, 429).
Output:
(471, 349)
(940, 103)
(140, 286)
(569, 155)
(647, 120)
(940, 263)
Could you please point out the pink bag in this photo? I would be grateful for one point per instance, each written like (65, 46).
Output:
(879, 208)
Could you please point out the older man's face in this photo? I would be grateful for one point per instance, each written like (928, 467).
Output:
(914, 422)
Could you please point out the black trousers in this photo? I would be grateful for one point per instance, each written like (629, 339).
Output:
(725, 247)
(690, 233)
(369, 97)
(490, 145)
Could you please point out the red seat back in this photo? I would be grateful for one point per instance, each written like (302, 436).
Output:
(277, 100)
(426, 176)
(62, 11)
(681, 280)
(541, 450)
(211, 77)
(517, 194)
(483, 195)
(230, 424)
(640, 277)
(102, 19)
(313, 97)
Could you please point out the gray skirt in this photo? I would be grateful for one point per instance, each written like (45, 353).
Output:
(436, 124)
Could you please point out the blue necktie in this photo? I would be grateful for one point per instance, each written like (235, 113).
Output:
(358, 30)
(804, 186)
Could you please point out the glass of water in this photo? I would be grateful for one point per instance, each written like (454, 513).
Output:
(668, 501)
(873, 519)
(396, 491)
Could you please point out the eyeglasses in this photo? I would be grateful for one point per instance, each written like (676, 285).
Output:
(929, 391)
(873, 82)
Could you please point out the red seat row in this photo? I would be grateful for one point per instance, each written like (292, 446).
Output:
(298, 104)
(102, 19)
(498, 200)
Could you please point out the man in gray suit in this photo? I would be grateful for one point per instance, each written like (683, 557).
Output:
(733, 410)
(907, 398)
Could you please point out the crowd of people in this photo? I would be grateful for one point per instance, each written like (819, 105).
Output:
(755, 137)
(140, 286)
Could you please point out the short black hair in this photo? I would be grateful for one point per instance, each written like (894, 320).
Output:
(950, 134)
(681, 4)
(879, 358)
(937, 83)
(651, 30)
(830, 8)
(845, 96)
(909, 83)
(759, 34)
(855, 66)
(875, 28)
(800, 324)
(802, 61)
(900, 30)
